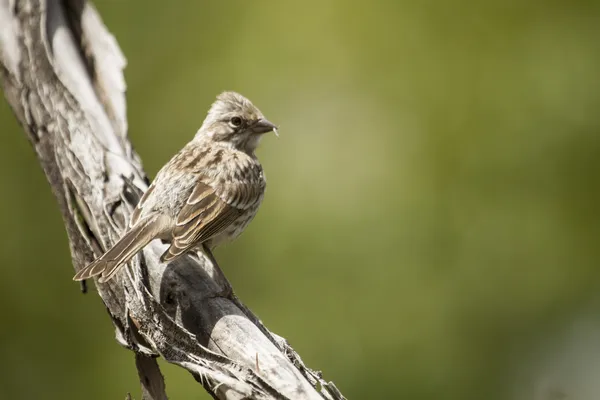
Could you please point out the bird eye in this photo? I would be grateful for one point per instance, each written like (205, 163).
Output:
(236, 121)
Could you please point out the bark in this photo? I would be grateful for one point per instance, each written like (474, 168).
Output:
(61, 72)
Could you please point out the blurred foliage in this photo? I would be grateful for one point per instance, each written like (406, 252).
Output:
(432, 207)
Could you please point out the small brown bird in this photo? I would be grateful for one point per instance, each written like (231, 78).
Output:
(205, 195)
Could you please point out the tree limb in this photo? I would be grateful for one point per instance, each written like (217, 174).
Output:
(61, 72)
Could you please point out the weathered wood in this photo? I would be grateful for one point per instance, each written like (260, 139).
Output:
(62, 74)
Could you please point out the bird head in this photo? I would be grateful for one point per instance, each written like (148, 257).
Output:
(233, 120)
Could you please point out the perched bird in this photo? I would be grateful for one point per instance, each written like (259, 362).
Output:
(205, 195)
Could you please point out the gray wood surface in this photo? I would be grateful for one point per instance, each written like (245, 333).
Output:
(61, 72)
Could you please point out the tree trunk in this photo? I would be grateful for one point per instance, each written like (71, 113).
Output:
(62, 74)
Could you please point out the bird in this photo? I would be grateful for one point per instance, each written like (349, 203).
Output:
(206, 195)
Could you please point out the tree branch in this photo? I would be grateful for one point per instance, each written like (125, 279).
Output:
(61, 71)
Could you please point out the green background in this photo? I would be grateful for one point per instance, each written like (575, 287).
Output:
(431, 215)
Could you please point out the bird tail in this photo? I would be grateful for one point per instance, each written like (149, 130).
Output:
(136, 238)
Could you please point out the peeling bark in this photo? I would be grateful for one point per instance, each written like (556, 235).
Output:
(61, 72)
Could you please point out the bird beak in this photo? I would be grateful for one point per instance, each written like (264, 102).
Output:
(264, 126)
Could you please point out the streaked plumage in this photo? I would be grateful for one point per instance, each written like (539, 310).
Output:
(205, 195)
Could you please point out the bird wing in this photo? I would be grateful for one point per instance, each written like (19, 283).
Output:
(137, 212)
(204, 215)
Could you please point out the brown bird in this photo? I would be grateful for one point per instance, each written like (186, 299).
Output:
(205, 195)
